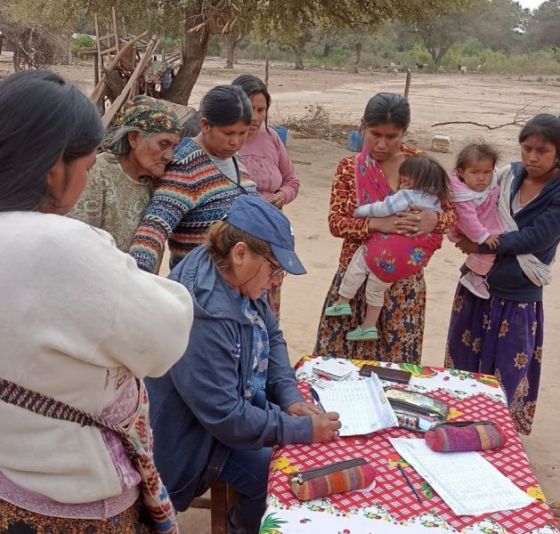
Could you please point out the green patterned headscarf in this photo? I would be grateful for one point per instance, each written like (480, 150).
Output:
(149, 115)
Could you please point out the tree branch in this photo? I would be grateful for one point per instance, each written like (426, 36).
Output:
(519, 119)
(513, 123)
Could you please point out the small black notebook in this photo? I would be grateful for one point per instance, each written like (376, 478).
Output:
(386, 373)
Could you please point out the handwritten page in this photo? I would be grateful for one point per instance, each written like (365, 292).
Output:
(469, 484)
(362, 405)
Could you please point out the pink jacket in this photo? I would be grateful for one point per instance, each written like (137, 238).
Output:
(269, 165)
(477, 212)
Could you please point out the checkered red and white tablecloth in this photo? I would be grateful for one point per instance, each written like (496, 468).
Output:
(391, 506)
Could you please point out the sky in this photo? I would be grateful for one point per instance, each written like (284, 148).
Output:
(531, 4)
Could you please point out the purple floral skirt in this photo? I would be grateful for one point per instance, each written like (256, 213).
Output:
(502, 338)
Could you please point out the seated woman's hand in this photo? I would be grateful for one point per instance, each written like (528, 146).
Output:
(325, 426)
(303, 408)
(416, 221)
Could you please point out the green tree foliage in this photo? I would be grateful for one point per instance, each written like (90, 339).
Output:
(196, 20)
(543, 29)
(499, 24)
(496, 24)
(439, 33)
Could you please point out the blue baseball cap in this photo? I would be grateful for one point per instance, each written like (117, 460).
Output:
(264, 221)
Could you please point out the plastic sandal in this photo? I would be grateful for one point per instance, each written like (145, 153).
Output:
(362, 334)
(337, 310)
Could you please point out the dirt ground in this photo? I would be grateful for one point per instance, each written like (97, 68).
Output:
(491, 100)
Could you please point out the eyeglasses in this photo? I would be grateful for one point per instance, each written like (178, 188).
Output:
(277, 270)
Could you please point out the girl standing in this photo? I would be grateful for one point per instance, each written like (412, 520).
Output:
(267, 159)
(504, 335)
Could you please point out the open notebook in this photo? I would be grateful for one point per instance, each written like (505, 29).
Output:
(362, 404)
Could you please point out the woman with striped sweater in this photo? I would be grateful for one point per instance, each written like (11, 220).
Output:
(201, 182)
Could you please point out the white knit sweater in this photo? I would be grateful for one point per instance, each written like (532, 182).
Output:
(75, 311)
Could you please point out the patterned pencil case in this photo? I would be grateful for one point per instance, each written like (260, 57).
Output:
(465, 436)
(339, 477)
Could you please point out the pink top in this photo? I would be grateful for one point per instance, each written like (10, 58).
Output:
(477, 211)
(269, 164)
(390, 257)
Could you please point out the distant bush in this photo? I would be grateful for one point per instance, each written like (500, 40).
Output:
(82, 43)
(383, 46)
(334, 60)
(475, 57)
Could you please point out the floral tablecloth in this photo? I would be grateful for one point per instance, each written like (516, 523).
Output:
(391, 507)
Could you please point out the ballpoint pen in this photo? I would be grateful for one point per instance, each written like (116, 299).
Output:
(316, 399)
(409, 483)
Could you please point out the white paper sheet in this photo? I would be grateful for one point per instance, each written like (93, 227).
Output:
(362, 405)
(469, 484)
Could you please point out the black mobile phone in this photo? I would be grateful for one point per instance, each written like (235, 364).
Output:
(386, 373)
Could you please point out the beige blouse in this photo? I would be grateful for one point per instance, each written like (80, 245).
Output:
(113, 201)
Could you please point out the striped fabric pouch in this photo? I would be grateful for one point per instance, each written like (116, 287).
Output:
(339, 477)
(465, 436)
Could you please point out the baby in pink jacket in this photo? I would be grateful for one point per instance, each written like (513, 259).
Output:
(475, 193)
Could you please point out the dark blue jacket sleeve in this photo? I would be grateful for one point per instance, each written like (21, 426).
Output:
(533, 238)
(208, 379)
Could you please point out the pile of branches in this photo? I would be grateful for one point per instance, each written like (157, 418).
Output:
(34, 46)
(317, 124)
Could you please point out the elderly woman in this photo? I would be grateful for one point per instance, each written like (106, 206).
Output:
(137, 148)
(267, 159)
(233, 394)
(79, 324)
(201, 182)
(401, 323)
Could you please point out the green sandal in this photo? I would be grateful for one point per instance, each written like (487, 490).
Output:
(338, 310)
(362, 334)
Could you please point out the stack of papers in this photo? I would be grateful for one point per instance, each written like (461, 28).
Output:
(362, 405)
(334, 368)
(467, 482)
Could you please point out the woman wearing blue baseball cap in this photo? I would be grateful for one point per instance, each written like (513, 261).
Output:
(233, 395)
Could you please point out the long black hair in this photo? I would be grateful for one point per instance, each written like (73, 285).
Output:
(225, 105)
(387, 108)
(43, 119)
(253, 85)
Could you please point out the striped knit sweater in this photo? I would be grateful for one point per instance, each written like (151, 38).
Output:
(191, 196)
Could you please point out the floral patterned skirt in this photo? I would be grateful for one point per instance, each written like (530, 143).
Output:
(14, 520)
(400, 325)
(502, 338)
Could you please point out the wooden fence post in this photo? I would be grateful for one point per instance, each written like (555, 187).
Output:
(407, 84)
